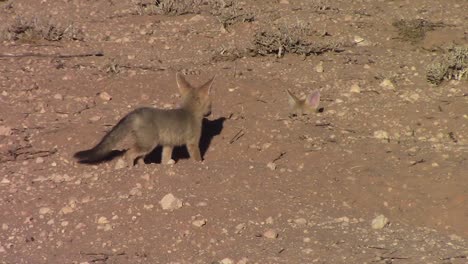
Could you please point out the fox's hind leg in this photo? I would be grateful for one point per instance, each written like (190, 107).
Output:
(143, 146)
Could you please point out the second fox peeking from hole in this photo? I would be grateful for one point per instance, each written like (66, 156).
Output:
(151, 127)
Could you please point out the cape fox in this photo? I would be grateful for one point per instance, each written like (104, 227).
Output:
(304, 106)
(152, 126)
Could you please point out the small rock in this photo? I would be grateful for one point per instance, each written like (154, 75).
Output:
(199, 223)
(284, 2)
(102, 220)
(171, 162)
(95, 118)
(387, 84)
(239, 228)
(269, 220)
(45, 210)
(66, 210)
(379, 222)
(58, 96)
(39, 160)
(120, 164)
(105, 96)
(355, 88)
(319, 67)
(170, 202)
(456, 238)
(270, 234)
(271, 165)
(226, 261)
(300, 221)
(358, 39)
(5, 131)
(380, 134)
(197, 18)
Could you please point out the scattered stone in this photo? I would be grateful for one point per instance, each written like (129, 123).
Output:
(39, 160)
(66, 210)
(300, 221)
(355, 88)
(171, 162)
(95, 118)
(387, 84)
(239, 228)
(105, 96)
(102, 220)
(2, 249)
(456, 238)
(197, 18)
(170, 202)
(270, 234)
(269, 220)
(58, 96)
(379, 222)
(226, 261)
(5, 131)
(271, 165)
(319, 67)
(358, 39)
(199, 223)
(284, 2)
(120, 164)
(45, 210)
(380, 134)
(5, 181)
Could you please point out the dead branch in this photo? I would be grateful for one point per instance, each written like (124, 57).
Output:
(237, 136)
(43, 55)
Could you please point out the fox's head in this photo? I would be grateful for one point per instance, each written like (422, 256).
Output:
(304, 106)
(197, 99)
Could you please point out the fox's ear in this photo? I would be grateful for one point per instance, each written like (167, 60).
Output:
(205, 89)
(292, 99)
(184, 86)
(313, 99)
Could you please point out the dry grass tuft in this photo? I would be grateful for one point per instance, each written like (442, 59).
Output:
(414, 30)
(34, 29)
(451, 66)
(291, 39)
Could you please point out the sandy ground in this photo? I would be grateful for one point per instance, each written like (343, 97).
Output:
(273, 188)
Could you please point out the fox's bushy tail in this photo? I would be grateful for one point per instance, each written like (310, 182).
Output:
(103, 148)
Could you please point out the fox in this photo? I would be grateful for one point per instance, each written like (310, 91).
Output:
(305, 106)
(151, 127)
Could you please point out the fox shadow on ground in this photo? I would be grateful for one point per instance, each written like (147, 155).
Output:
(210, 129)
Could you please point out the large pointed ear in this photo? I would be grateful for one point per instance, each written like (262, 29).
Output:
(205, 89)
(313, 99)
(184, 86)
(292, 99)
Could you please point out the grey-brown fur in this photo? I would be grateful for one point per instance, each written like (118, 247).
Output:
(151, 127)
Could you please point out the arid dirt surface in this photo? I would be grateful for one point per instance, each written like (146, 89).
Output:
(273, 187)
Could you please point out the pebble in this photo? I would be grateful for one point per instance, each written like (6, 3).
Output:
(95, 118)
(284, 2)
(5, 131)
(270, 234)
(269, 220)
(355, 88)
(170, 202)
(379, 222)
(120, 164)
(226, 261)
(102, 220)
(300, 221)
(58, 96)
(239, 228)
(387, 84)
(271, 165)
(197, 18)
(105, 96)
(39, 160)
(319, 67)
(66, 210)
(380, 134)
(45, 210)
(199, 223)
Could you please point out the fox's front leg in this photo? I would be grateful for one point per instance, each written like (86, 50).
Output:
(194, 151)
(166, 154)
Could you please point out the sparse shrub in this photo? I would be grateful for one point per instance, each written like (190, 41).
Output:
(451, 66)
(414, 30)
(228, 12)
(291, 39)
(34, 29)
